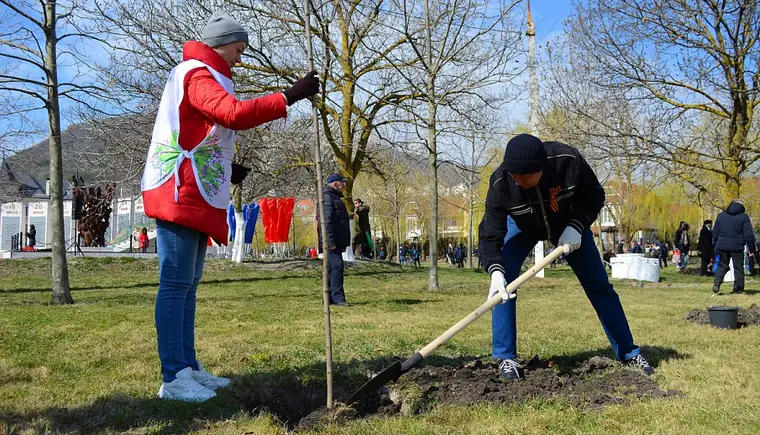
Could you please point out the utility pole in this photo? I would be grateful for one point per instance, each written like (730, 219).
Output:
(530, 32)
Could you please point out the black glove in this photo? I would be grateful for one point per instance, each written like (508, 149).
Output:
(303, 88)
(239, 173)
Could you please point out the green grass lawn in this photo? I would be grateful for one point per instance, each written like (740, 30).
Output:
(93, 368)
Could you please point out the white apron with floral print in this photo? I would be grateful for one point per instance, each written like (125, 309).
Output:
(211, 159)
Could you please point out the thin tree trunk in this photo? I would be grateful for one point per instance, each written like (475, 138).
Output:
(397, 214)
(372, 236)
(293, 232)
(471, 234)
(396, 253)
(322, 224)
(471, 204)
(61, 291)
(432, 156)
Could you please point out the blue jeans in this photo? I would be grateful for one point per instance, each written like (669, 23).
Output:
(181, 254)
(335, 281)
(589, 269)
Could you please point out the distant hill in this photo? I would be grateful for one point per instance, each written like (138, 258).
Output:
(35, 160)
(100, 150)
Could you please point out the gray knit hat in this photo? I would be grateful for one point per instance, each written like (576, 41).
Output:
(222, 29)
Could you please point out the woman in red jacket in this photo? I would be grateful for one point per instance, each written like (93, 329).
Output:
(185, 187)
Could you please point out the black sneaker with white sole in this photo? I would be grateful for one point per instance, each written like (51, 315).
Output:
(639, 362)
(509, 369)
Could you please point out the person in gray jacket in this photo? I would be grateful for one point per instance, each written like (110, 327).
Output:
(731, 232)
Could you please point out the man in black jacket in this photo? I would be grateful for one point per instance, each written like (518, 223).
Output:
(732, 230)
(338, 235)
(705, 247)
(363, 233)
(547, 191)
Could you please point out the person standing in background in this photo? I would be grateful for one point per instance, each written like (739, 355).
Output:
(683, 244)
(363, 235)
(31, 237)
(705, 248)
(338, 236)
(731, 233)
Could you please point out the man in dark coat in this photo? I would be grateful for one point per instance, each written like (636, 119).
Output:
(31, 237)
(732, 231)
(364, 234)
(547, 191)
(705, 247)
(338, 235)
(459, 256)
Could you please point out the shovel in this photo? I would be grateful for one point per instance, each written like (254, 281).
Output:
(393, 372)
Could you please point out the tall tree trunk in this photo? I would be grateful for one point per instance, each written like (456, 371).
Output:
(471, 205)
(61, 291)
(398, 223)
(372, 234)
(433, 235)
(432, 156)
(471, 234)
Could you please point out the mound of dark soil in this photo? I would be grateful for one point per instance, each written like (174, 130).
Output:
(594, 384)
(597, 382)
(747, 316)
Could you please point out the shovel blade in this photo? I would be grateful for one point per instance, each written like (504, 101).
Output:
(389, 374)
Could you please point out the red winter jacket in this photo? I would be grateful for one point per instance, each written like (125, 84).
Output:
(205, 103)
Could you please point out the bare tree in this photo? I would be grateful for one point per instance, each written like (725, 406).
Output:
(474, 153)
(358, 84)
(461, 49)
(388, 188)
(31, 42)
(682, 63)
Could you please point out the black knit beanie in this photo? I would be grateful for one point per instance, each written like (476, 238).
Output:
(525, 155)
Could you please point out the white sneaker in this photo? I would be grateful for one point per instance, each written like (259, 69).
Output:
(208, 380)
(185, 388)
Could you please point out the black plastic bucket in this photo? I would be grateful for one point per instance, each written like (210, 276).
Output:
(723, 317)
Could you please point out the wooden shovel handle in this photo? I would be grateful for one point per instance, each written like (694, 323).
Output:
(490, 303)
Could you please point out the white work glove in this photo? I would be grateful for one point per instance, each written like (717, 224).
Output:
(498, 286)
(570, 239)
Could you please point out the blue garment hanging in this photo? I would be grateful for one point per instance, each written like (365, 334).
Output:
(231, 221)
(251, 215)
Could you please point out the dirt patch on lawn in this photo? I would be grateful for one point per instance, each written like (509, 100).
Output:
(747, 316)
(596, 383)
